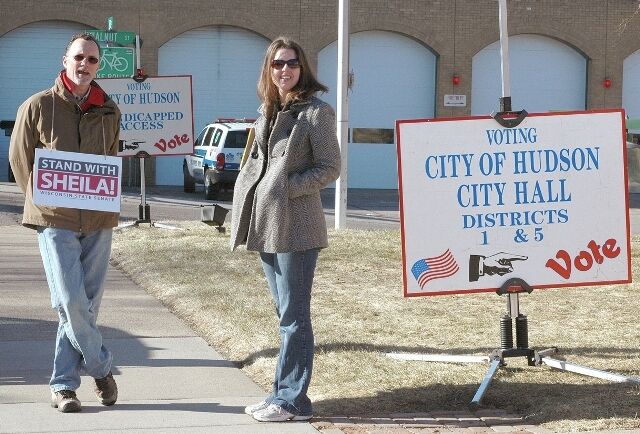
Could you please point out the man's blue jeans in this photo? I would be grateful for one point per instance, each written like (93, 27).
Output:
(76, 266)
(290, 276)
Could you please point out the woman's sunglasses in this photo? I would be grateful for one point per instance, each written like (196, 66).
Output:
(90, 59)
(279, 63)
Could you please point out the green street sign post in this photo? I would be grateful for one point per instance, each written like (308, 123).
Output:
(105, 37)
(116, 62)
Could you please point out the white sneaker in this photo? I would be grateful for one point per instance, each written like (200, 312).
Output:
(250, 409)
(275, 413)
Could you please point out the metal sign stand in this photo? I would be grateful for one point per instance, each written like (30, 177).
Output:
(512, 288)
(144, 210)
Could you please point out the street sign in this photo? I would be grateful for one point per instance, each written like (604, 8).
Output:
(455, 100)
(116, 62)
(105, 37)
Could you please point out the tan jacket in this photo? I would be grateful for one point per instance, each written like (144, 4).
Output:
(51, 119)
(276, 200)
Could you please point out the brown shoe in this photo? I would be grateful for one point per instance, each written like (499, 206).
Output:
(106, 390)
(65, 401)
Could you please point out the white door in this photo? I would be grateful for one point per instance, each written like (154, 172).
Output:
(224, 63)
(31, 59)
(545, 75)
(394, 79)
(631, 105)
(631, 86)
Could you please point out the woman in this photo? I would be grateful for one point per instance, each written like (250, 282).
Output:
(277, 211)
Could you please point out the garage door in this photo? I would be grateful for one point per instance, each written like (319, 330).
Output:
(31, 58)
(224, 63)
(545, 75)
(394, 79)
(631, 85)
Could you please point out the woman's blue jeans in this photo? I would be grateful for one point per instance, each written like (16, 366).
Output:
(76, 266)
(290, 277)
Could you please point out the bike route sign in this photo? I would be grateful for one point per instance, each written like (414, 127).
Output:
(545, 201)
(116, 62)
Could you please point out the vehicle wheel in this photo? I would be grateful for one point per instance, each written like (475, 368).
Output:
(189, 182)
(211, 190)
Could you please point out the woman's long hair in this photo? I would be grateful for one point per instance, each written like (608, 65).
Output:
(307, 84)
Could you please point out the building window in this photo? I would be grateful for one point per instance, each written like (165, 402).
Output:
(372, 135)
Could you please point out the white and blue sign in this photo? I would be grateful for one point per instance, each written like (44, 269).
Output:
(157, 115)
(545, 201)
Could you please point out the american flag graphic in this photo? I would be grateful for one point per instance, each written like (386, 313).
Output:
(437, 267)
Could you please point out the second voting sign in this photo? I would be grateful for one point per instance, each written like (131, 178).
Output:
(157, 115)
(545, 201)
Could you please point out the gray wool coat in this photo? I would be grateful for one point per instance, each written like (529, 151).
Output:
(276, 199)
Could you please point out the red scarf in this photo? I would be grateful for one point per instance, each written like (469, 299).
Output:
(96, 95)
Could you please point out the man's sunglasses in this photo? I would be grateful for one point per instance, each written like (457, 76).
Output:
(90, 59)
(279, 63)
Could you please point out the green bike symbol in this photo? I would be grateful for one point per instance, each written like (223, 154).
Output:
(115, 63)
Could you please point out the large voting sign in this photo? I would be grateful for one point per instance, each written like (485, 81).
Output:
(545, 201)
(157, 115)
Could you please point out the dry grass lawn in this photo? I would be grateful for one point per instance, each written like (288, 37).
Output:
(359, 314)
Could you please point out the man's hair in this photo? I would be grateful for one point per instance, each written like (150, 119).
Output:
(86, 37)
(307, 84)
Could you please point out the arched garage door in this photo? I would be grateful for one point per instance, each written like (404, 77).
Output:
(545, 75)
(224, 63)
(394, 79)
(631, 105)
(31, 57)
(631, 85)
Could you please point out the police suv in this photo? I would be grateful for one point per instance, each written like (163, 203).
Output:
(217, 152)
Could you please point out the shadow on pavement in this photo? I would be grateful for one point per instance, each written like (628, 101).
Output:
(127, 351)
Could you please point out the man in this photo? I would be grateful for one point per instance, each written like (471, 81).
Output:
(75, 115)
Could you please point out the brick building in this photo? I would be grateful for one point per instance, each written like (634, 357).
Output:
(404, 55)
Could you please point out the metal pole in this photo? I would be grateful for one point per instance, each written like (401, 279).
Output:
(143, 214)
(505, 101)
(493, 368)
(591, 372)
(342, 113)
(138, 64)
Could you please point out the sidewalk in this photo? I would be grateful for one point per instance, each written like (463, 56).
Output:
(169, 380)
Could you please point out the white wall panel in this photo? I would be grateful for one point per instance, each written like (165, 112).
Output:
(546, 74)
(224, 63)
(31, 58)
(394, 79)
(631, 85)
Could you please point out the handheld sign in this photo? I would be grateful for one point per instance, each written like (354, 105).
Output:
(76, 180)
(545, 201)
(157, 115)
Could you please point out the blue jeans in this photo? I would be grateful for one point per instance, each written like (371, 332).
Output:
(290, 276)
(76, 266)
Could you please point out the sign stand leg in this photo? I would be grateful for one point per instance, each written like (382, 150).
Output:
(144, 210)
(512, 289)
